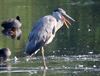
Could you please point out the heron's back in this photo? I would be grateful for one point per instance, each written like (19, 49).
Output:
(41, 33)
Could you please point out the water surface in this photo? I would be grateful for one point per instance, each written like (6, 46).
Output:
(80, 65)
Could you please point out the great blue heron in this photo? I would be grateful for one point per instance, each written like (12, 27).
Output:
(11, 27)
(4, 54)
(44, 31)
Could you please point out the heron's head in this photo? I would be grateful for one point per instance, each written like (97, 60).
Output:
(64, 17)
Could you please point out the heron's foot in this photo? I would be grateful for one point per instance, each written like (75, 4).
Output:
(28, 58)
(44, 68)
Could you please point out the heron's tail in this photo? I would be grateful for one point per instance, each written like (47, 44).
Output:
(31, 48)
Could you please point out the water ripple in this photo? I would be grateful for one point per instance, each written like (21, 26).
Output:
(58, 64)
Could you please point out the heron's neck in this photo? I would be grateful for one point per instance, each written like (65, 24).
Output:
(60, 23)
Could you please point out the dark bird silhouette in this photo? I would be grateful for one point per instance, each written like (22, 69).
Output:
(4, 54)
(12, 28)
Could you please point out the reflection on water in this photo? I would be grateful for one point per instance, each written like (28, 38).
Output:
(79, 65)
(5, 66)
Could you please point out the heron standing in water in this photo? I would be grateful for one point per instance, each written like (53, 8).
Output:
(44, 31)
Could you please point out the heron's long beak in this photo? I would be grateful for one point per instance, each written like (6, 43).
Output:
(67, 20)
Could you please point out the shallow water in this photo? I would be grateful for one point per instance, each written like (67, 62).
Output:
(80, 65)
(82, 37)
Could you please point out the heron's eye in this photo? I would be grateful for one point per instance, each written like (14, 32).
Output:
(56, 10)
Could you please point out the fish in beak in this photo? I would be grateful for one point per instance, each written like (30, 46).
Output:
(67, 20)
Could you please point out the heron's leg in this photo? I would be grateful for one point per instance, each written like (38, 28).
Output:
(29, 57)
(44, 72)
(44, 62)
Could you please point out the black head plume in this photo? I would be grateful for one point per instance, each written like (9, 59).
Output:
(18, 18)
